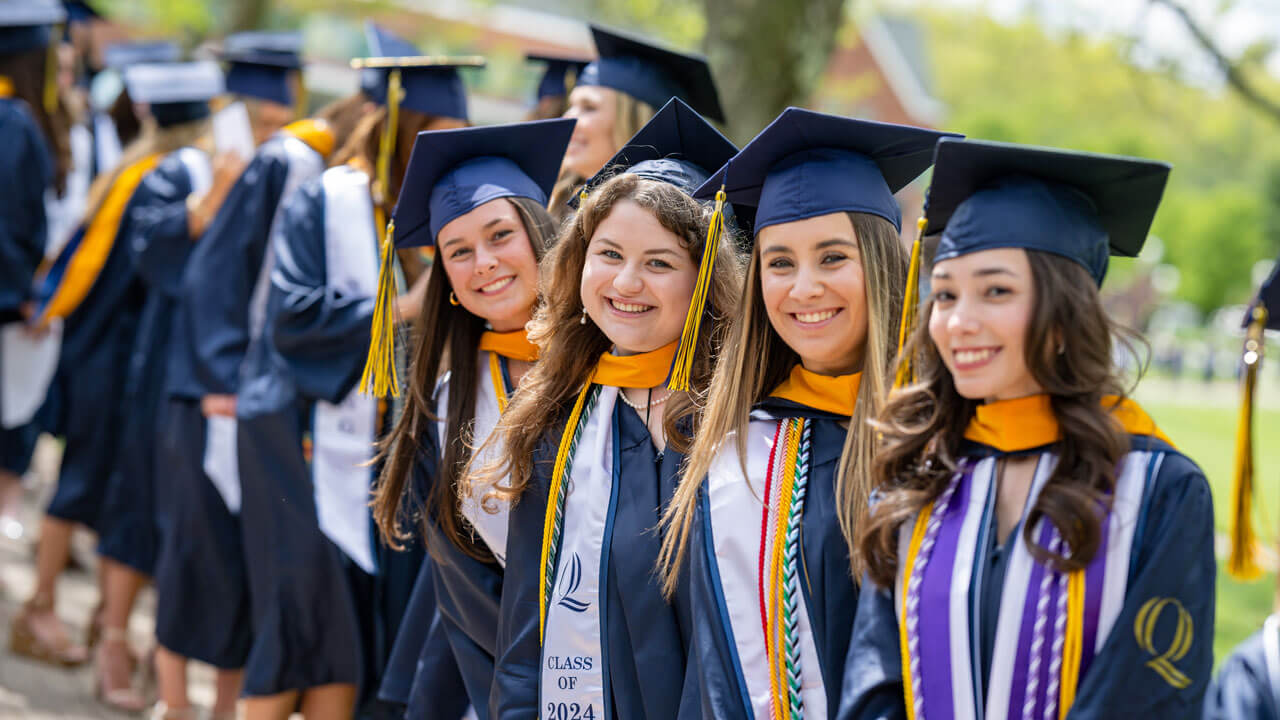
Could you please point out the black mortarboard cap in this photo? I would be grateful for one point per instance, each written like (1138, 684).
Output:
(430, 85)
(175, 92)
(452, 172)
(650, 73)
(261, 63)
(806, 164)
(555, 78)
(24, 24)
(1081, 206)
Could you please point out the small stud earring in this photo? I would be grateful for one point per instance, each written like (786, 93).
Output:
(583, 320)
(453, 299)
(1062, 348)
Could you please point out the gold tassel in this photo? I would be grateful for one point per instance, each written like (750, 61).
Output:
(1243, 561)
(51, 72)
(910, 305)
(380, 377)
(683, 367)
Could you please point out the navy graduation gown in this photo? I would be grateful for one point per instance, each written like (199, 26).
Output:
(154, 238)
(830, 594)
(308, 599)
(26, 170)
(1245, 688)
(1172, 557)
(647, 639)
(201, 606)
(212, 322)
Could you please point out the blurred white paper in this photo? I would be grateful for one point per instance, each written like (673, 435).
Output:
(26, 369)
(220, 460)
(232, 131)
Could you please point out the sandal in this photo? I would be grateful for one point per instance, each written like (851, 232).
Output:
(115, 689)
(26, 641)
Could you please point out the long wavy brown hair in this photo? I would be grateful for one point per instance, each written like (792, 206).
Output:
(756, 360)
(923, 424)
(570, 349)
(447, 336)
(27, 71)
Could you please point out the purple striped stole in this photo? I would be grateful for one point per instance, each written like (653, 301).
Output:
(1051, 624)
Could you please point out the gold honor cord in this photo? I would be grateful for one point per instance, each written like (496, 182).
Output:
(910, 306)
(683, 367)
(1144, 627)
(1242, 563)
(380, 377)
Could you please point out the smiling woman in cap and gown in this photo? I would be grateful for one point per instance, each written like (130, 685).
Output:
(1037, 548)
(617, 93)
(780, 468)
(313, 563)
(479, 196)
(634, 292)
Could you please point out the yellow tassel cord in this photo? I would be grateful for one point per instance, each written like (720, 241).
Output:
(1243, 561)
(557, 479)
(1073, 646)
(683, 367)
(51, 71)
(380, 377)
(910, 304)
(913, 550)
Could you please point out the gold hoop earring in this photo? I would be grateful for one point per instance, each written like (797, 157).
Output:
(453, 299)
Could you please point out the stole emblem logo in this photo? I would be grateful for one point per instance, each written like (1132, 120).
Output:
(1144, 627)
(569, 585)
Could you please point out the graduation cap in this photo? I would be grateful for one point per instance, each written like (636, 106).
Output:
(1081, 206)
(650, 73)
(452, 172)
(175, 92)
(806, 164)
(677, 146)
(556, 77)
(381, 42)
(260, 64)
(25, 24)
(427, 84)
(122, 55)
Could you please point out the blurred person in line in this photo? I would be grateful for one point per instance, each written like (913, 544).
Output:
(779, 473)
(616, 94)
(559, 74)
(155, 522)
(36, 120)
(478, 195)
(326, 596)
(1248, 683)
(1037, 547)
(35, 159)
(636, 291)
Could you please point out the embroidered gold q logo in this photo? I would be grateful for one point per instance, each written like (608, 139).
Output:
(1144, 628)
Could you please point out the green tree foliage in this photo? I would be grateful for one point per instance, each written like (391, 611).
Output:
(1017, 83)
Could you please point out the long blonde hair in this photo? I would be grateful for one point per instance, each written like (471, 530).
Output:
(631, 115)
(570, 349)
(152, 140)
(756, 360)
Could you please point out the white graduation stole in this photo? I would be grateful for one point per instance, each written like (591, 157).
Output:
(343, 434)
(736, 505)
(220, 460)
(572, 671)
(491, 527)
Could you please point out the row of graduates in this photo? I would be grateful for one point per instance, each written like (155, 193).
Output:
(649, 453)
(648, 479)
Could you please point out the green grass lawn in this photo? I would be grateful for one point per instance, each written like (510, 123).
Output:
(1204, 427)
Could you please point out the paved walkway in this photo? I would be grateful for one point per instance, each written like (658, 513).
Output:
(34, 691)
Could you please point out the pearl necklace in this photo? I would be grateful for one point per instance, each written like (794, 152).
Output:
(641, 408)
